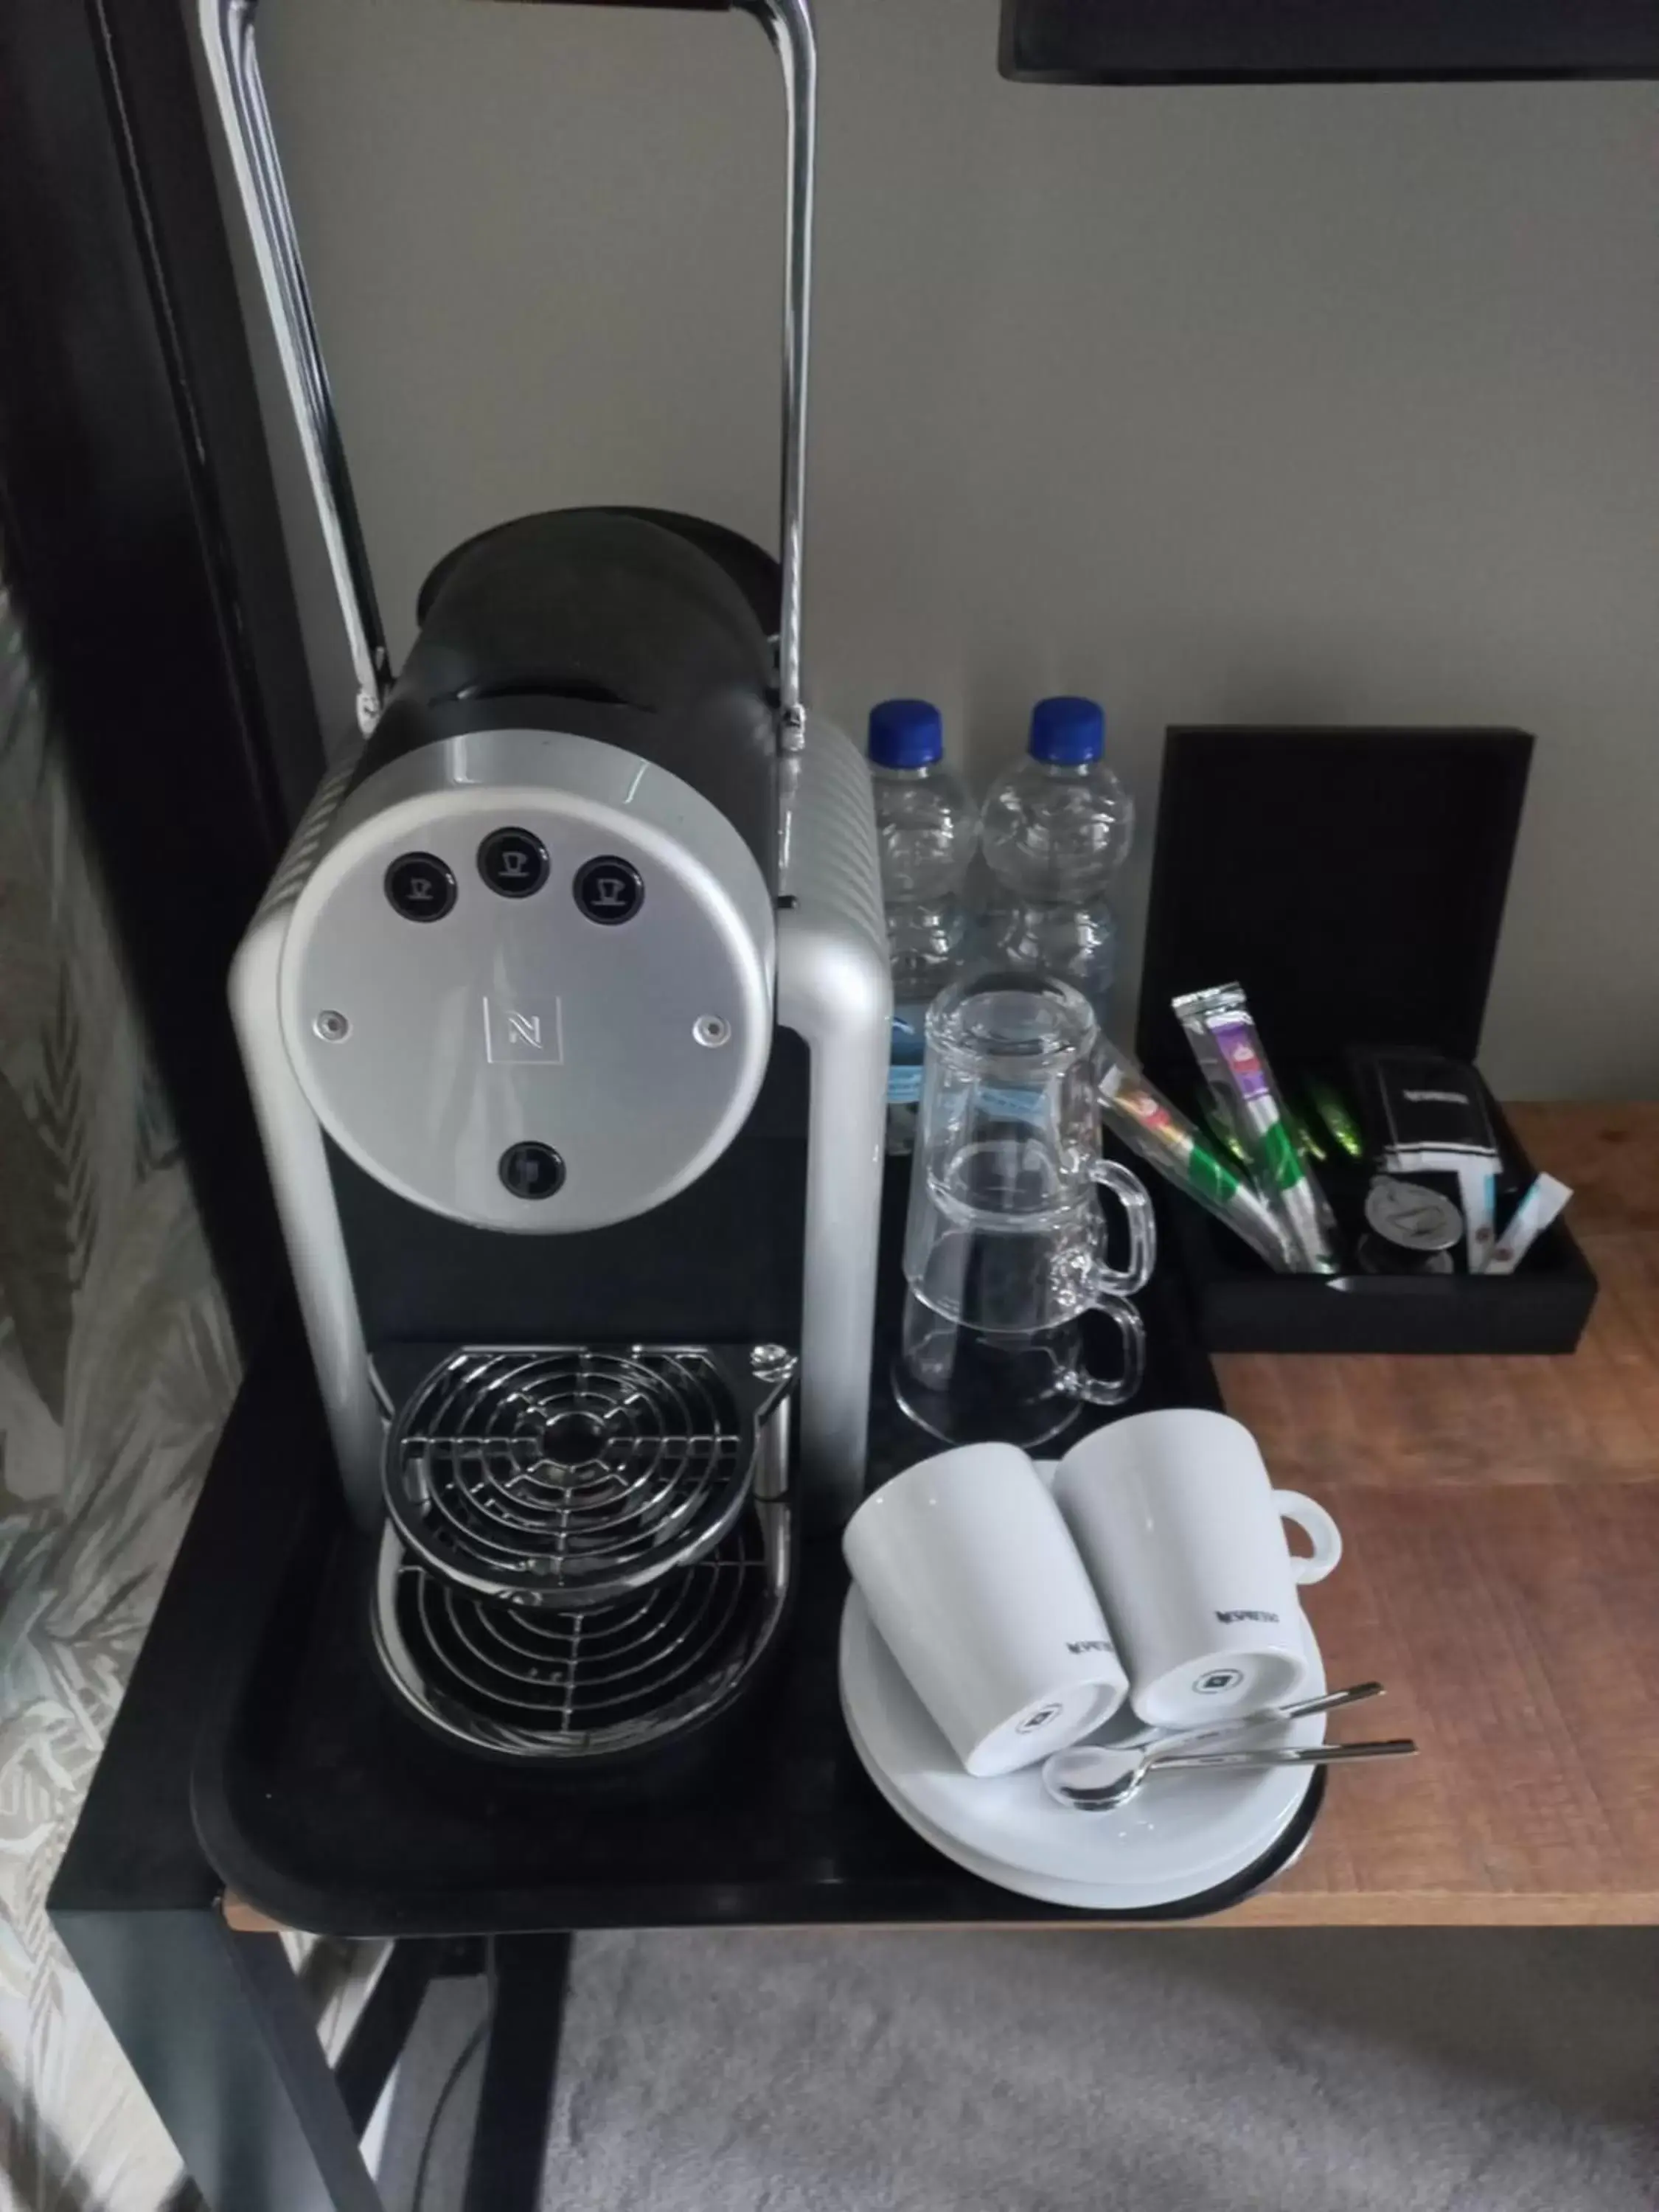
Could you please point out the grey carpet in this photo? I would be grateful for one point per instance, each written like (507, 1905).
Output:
(1208, 2071)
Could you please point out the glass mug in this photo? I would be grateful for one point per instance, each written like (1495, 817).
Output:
(1005, 1242)
(968, 1385)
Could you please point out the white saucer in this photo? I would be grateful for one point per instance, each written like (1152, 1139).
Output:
(1171, 1843)
(1080, 1896)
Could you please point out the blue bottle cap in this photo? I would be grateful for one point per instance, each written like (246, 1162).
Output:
(1067, 732)
(906, 733)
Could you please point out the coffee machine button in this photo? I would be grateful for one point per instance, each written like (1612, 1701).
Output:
(532, 1170)
(609, 891)
(419, 887)
(513, 862)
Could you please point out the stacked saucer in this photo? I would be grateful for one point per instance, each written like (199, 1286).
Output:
(1226, 1833)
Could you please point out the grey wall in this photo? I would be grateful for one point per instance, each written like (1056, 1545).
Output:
(1311, 404)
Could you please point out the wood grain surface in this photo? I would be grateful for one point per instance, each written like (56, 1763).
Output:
(1501, 1576)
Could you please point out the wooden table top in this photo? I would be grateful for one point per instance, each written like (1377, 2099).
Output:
(1501, 1518)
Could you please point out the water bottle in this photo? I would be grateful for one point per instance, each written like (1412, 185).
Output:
(1055, 830)
(926, 825)
(1077, 944)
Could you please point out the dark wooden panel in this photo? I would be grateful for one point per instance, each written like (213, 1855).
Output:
(1276, 41)
(142, 537)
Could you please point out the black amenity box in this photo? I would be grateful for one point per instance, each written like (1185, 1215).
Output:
(1353, 881)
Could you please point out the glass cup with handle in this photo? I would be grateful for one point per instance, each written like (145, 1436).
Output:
(1007, 1243)
(968, 1385)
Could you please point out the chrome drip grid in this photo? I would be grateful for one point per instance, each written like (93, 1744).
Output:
(571, 1475)
(588, 1547)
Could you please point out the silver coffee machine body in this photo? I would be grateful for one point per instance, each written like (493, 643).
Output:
(566, 1021)
(546, 1040)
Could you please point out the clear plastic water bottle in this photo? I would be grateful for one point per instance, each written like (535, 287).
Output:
(1055, 830)
(927, 825)
(1078, 943)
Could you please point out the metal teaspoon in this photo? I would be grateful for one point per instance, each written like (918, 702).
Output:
(1134, 1769)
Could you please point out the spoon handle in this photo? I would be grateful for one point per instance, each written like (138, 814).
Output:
(1283, 1754)
(1332, 1701)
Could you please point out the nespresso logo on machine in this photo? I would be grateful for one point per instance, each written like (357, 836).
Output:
(524, 1033)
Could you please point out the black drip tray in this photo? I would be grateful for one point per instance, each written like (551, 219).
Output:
(319, 1800)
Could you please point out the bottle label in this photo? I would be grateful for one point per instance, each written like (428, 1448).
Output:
(1028, 1106)
(908, 1035)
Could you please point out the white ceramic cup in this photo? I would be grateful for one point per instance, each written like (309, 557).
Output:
(979, 1593)
(1184, 1534)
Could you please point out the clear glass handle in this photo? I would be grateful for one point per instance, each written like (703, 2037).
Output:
(1094, 1389)
(1131, 1195)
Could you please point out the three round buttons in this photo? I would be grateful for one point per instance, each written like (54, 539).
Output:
(514, 862)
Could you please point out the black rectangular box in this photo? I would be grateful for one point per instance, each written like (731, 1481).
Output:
(1353, 881)
(1324, 41)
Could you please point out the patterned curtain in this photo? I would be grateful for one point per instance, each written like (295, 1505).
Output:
(117, 1369)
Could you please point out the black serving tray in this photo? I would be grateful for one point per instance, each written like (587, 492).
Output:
(1353, 881)
(318, 1801)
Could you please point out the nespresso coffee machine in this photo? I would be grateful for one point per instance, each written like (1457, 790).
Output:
(566, 1021)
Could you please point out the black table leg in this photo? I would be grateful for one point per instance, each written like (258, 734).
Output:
(382, 2027)
(216, 2027)
(515, 2097)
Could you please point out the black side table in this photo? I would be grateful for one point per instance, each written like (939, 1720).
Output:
(258, 1753)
